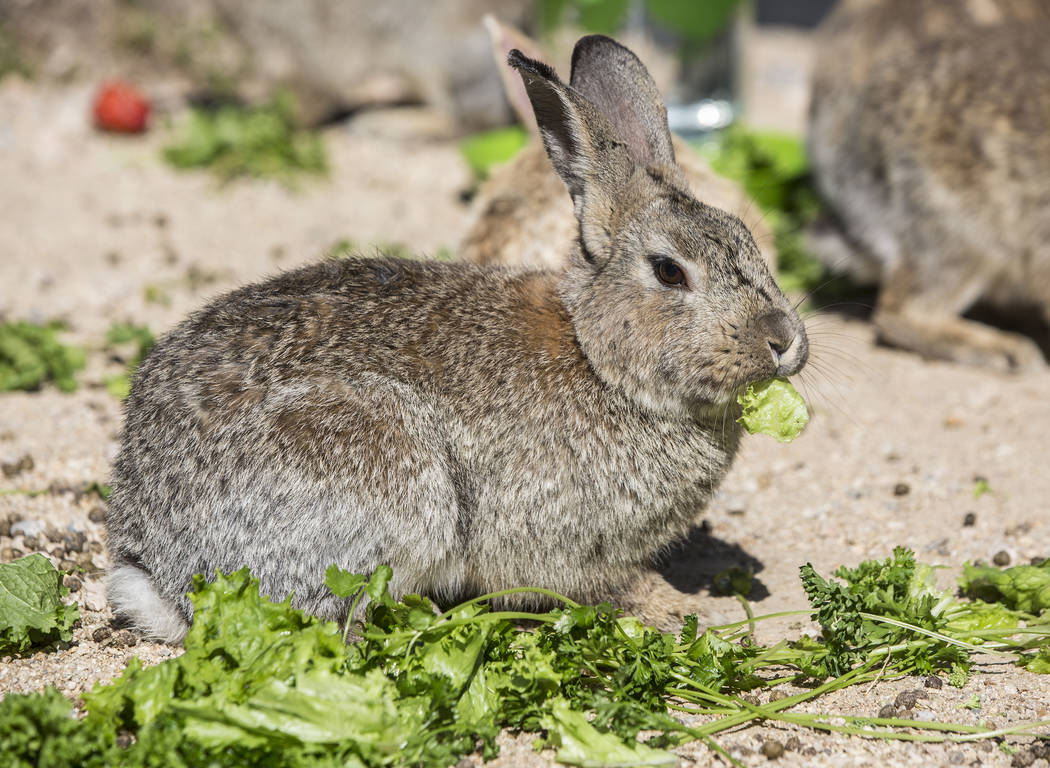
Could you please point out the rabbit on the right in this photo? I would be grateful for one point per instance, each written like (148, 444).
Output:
(930, 140)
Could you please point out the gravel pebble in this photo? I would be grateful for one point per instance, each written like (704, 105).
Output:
(27, 528)
(101, 633)
(933, 682)
(888, 710)
(1002, 557)
(75, 541)
(122, 638)
(906, 699)
(72, 583)
(772, 749)
(924, 716)
(901, 489)
(969, 519)
(97, 514)
(11, 468)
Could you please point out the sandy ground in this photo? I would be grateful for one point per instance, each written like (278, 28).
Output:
(91, 225)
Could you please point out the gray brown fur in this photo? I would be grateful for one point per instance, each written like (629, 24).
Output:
(475, 428)
(929, 139)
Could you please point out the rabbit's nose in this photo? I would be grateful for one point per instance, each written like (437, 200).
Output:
(787, 342)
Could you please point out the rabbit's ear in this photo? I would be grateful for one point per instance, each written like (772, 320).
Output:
(615, 80)
(580, 142)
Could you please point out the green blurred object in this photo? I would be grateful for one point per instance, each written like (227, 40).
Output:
(31, 354)
(694, 21)
(119, 385)
(238, 141)
(601, 16)
(485, 150)
(774, 170)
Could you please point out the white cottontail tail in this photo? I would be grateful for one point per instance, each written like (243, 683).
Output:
(929, 139)
(474, 428)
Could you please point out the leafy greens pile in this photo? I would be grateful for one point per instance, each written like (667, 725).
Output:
(238, 141)
(31, 354)
(261, 683)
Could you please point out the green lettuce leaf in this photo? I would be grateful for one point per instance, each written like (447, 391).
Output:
(31, 609)
(580, 743)
(774, 408)
(1022, 587)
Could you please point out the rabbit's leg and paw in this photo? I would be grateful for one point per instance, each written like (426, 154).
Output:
(928, 322)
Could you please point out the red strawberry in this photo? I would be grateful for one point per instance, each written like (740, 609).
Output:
(121, 107)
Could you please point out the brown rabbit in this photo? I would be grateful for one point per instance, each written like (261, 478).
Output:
(474, 428)
(929, 140)
(521, 216)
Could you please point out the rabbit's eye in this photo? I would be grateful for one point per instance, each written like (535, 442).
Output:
(669, 273)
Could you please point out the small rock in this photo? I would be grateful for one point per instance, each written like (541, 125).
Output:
(74, 541)
(969, 519)
(985, 746)
(22, 464)
(888, 710)
(51, 533)
(124, 739)
(901, 489)
(1040, 750)
(101, 633)
(97, 514)
(123, 638)
(772, 749)
(777, 696)
(750, 698)
(71, 582)
(1022, 759)
(924, 716)
(5, 526)
(1001, 558)
(736, 512)
(68, 565)
(933, 682)
(1038, 560)
(27, 528)
(7, 554)
(31, 543)
(84, 558)
(96, 546)
(958, 757)
(793, 743)
(906, 699)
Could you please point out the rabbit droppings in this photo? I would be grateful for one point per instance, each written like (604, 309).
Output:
(474, 428)
(928, 138)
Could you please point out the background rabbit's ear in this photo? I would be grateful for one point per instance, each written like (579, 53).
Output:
(505, 38)
(614, 80)
(572, 128)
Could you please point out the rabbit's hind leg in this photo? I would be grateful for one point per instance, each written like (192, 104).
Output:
(924, 316)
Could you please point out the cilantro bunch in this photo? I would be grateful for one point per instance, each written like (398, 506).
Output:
(892, 610)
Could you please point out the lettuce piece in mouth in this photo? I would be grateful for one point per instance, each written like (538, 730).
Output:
(773, 407)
